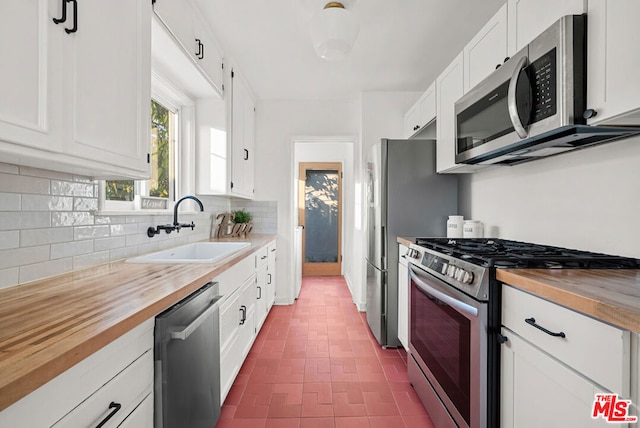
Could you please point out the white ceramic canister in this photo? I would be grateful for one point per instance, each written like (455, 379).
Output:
(473, 229)
(454, 226)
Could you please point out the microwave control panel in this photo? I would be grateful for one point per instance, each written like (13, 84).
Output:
(542, 75)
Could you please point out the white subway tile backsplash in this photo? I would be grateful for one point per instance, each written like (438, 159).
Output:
(85, 204)
(24, 220)
(90, 232)
(42, 270)
(23, 256)
(10, 202)
(9, 239)
(109, 243)
(49, 225)
(122, 253)
(92, 259)
(9, 169)
(72, 188)
(10, 276)
(31, 237)
(46, 203)
(70, 249)
(11, 183)
(71, 219)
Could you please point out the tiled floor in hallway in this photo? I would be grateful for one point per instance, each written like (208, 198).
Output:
(315, 364)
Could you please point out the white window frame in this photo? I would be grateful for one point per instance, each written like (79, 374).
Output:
(171, 97)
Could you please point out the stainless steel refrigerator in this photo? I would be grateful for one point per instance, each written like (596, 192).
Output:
(404, 197)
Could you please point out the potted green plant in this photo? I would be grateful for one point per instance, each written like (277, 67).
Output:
(242, 223)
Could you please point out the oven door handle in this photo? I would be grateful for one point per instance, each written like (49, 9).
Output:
(451, 301)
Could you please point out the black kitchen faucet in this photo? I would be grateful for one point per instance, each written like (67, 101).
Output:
(168, 228)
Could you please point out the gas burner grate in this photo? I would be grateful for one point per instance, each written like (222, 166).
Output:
(488, 252)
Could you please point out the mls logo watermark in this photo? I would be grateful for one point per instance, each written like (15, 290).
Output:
(612, 409)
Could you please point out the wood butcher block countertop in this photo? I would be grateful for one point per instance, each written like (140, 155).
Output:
(611, 295)
(47, 326)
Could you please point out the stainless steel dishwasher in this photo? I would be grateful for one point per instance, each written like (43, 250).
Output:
(187, 362)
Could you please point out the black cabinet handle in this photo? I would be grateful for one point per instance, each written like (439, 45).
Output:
(243, 309)
(202, 51)
(269, 275)
(63, 18)
(116, 407)
(502, 339)
(532, 322)
(246, 154)
(498, 66)
(75, 17)
(199, 48)
(259, 292)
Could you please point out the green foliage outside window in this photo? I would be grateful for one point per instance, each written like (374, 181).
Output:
(161, 136)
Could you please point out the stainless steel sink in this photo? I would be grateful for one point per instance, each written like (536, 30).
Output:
(198, 252)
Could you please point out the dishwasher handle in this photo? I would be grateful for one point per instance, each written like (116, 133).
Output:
(186, 332)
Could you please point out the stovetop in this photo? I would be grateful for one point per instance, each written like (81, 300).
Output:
(490, 252)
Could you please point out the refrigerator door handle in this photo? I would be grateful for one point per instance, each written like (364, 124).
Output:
(383, 247)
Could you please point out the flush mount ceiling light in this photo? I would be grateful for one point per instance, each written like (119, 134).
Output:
(334, 30)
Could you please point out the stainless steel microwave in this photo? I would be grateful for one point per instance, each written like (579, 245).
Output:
(534, 105)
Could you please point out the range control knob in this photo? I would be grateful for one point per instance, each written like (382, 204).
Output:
(445, 267)
(459, 274)
(467, 278)
(451, 271)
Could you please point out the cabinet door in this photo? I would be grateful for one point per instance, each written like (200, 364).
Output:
(529, 18)
(537, 390)
(107, 86)
(427, 106)
(208, 53)
(449, 88)
(142, 416)
(487, 50)
(261, 296)
(613, 86)
(31, 51)
(403, 298)
(271, 276)
(411, 119)
(242, 138)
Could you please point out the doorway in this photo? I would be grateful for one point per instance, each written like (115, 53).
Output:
(320, 212)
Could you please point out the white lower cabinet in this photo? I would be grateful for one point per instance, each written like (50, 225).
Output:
(555, 361)
(242, 314)
(116, 379)
(538, 390)
(403, 297)
(142, 416)
(271, 275)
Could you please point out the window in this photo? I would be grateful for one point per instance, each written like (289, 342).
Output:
(157, 193)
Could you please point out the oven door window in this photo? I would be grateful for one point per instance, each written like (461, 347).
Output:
(442, 338)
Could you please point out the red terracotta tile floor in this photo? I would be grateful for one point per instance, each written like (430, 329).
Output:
(315, 364)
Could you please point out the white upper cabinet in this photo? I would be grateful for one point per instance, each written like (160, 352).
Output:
(421, 113)
(487, 50)
(185, 22)
(449, 88)
(75, 98)
(529, 18)
(226, 139)
(613, 88)
(242, 137)
(30, 90)
(107, 86)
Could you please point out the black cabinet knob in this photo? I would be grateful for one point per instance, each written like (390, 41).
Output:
(589, 113)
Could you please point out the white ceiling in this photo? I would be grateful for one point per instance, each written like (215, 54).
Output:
(402, 46)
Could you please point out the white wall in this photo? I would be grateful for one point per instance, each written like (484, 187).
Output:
(277, 122)
(587, 199)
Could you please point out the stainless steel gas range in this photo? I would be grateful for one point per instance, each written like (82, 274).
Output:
(454, 320)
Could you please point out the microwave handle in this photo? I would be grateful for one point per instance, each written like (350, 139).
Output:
(512, 100)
